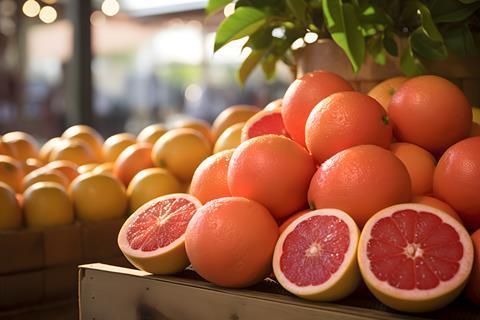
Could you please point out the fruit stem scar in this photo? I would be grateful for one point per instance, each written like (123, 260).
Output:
(385, 119)
(313, 250)
(413, 250)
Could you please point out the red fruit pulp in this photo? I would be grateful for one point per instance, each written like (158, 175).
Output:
(414, 250)
(160, 224)
(314, 250)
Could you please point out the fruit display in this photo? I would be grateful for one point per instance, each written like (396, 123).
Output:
(322, 190)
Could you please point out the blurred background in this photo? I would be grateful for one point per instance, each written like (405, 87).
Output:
(117, 65)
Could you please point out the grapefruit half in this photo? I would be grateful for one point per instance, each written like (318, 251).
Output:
(315, 256)
(264, 122)
(414, 258)
(153, 237)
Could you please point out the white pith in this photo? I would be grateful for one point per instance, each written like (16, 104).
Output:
(416, 294)
(122, 235)
(335, 277)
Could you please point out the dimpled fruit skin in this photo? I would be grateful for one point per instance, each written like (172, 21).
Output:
(230, 241)
(343, 120)
(457, 180)
(274, 171)
(360, 181)
(303, 95)
(430, 112)
(210, 179)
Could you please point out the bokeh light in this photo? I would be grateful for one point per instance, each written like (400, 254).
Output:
(31, 8)
(48, 14)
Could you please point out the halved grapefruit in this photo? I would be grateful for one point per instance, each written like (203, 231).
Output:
(264, 122)
(153, 237)
(414, 257)
(315, 256)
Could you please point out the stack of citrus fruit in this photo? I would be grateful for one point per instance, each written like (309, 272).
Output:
(391, 179)
(325, 187)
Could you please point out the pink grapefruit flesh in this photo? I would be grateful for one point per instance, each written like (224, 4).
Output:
(263, 123)
(153, 237)
(315, 256)
(414, 257)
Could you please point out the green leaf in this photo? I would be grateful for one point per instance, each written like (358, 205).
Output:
(248, 65)
(390, 44)
(268, 65)
(243, 22)
(459, 39)
(343, 25)
(376, 50)
(452, 10)
(298, 8)
(410, 64)
(216, 5)
(260, 39)
(372, 14)
(425, 46)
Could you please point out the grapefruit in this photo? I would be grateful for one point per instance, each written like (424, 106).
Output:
(275, 104)
(292, 218)
(343, 120)
(31, 164)
(89, 167)
(201, 126)
(47, 148)
(114, 145)
(210, 179)
(361, 181)
(68, 168)
(264, 122)
(11, 172)
(10, 210)
(430, 112)
(473, 287)
(75, 151)
(106, 167)
(180, 151)
(457, 180)
(45, 174)
(230, 242)
(439, 204)
(89, 136)
(132, 160)
(6, 149)
(315, 256)
(420, 165)
(230, 138)
(46, 204)
(149, 184)
(98, 197)
(230, 116)
(23, 145)
(414, 258)
(151, 133)
(384, 91)
(153, 237)
(274, 171)
(303, 95)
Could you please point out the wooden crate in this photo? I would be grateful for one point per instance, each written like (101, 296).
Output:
(108, 292)
(41, 266)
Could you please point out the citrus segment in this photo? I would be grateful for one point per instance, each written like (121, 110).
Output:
(315, 256)
(264, 122)
(152, 238)
(415, 257)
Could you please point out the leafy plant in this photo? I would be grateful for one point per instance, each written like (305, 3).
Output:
(427, 30)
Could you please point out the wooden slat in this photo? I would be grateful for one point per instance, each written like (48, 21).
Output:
(21, 251)
(108, 292)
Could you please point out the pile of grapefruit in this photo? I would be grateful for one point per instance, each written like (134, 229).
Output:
(329, 187)
(79, 175)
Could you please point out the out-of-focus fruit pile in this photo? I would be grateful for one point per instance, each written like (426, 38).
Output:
(327, 187)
